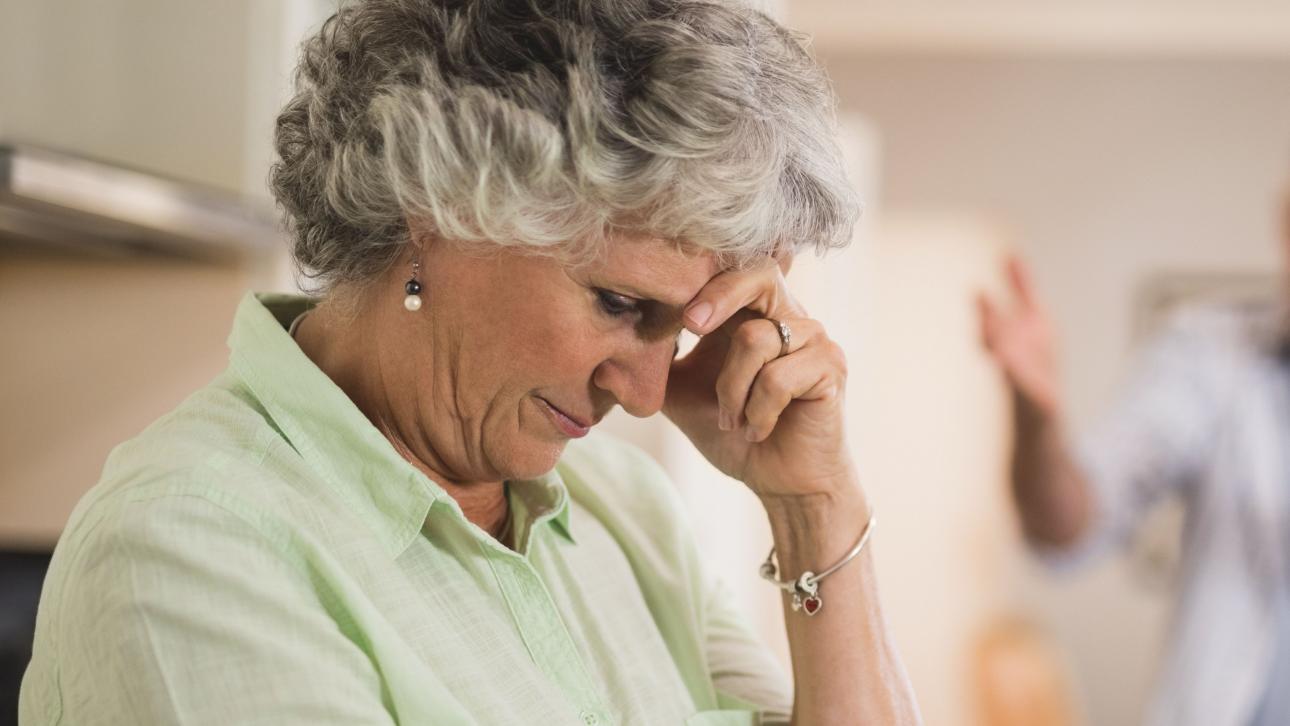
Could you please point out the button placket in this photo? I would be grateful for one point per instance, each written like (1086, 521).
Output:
(545, 633)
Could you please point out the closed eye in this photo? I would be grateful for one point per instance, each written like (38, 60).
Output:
(615, 305)
(649, 318)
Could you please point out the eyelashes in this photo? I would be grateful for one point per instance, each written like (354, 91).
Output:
(646, 316)
(615, 305)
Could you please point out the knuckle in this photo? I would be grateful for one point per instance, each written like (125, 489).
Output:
(747, 336)
(838, 357)
(774, 382)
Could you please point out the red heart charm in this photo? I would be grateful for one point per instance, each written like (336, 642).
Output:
(812, 605)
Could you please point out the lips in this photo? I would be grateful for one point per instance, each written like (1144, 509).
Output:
(568, 424)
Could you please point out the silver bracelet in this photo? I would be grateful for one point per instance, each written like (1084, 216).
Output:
(806, 589)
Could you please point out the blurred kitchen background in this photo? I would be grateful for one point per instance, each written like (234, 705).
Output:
(1133, 151)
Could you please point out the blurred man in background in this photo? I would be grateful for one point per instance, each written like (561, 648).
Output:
(1206, 418)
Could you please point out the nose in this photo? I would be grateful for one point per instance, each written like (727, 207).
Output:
(637, 376)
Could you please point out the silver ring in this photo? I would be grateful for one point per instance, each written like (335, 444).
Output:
(785, 336)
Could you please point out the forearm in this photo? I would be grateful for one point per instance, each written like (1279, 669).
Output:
(845, 665)
(1052, 495)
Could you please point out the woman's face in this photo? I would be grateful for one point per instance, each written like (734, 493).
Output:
(514, 354)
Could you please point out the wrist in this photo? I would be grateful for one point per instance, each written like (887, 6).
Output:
(818, 507)
(1036, 414)
(831, 478)
(812, 530)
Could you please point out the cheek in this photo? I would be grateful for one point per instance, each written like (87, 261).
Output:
(567, 354)
(556, 346)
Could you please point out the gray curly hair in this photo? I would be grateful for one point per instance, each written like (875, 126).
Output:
(555, 124)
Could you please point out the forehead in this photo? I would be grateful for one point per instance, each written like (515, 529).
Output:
(657, 269)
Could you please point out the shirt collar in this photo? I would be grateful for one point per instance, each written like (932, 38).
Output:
(325, 427)
(544, 498)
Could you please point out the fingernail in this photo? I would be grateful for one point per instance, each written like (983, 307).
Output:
(750, 433)
(723, 421)
(699, 313)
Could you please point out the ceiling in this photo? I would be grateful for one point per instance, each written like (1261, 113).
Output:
(1222, 28)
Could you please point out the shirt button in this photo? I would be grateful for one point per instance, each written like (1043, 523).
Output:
(589, 718)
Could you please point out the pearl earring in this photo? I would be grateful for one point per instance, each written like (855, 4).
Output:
(413, 289)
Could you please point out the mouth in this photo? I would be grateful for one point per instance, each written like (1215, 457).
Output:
(569, 425)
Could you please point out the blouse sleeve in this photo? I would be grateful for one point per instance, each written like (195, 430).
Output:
(745, 674)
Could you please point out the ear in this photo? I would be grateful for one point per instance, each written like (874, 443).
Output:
(420, 234)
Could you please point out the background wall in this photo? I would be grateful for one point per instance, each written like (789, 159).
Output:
(1102, 172)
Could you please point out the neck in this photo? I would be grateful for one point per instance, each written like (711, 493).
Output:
(351, 356)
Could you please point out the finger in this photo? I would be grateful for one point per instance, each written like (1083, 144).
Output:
(754, 344)
(1022, 285)
(989, 317)
(761, 290)
(815, 372)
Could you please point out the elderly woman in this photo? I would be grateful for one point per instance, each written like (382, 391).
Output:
(386, 511)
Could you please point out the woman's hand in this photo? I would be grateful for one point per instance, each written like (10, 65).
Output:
(784, 438)
(774, 422)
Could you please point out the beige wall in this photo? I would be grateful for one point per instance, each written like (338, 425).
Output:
(94, 351)
(1103, 171)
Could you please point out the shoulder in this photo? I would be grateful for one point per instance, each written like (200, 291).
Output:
(159, 573)
(1209, 345)
(186, 504)
(217, 424)
(218, 441)
(1221, 328)
(162, 533)
(1186, 377)
(214, 462)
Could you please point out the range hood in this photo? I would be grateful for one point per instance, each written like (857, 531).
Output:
(57, 200)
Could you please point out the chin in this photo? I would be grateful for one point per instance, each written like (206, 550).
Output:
(530, 461)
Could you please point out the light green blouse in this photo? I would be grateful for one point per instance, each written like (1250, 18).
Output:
(262, 555)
